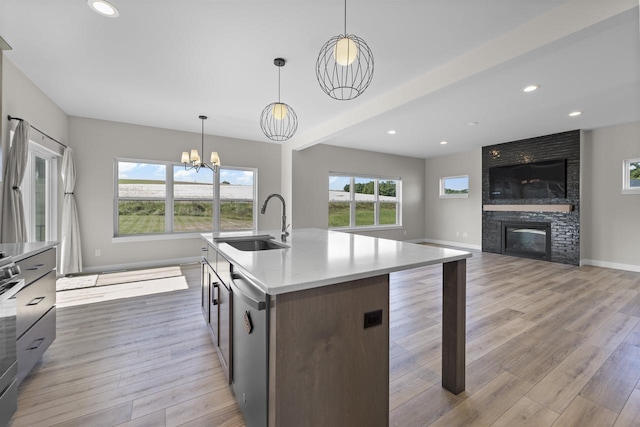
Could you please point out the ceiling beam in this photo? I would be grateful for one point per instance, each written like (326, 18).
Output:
(549, 27)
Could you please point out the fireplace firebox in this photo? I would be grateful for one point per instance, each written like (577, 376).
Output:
(527, 239)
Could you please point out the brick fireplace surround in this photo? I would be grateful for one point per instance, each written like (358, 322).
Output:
(565, 226)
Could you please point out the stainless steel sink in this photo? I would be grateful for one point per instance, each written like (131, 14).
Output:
(263, 242)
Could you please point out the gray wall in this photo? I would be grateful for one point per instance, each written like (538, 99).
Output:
(610, 220)
(21, 98)
(447, 220)
(96, 143)
(311, 169)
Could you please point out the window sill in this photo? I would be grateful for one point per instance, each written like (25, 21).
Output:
(631, 191)
(454, 196)
(367, 228)
(156, 237)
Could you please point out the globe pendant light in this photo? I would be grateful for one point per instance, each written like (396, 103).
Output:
(278, 120)
(194, 157)
(345, 65)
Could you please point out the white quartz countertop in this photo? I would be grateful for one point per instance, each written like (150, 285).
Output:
(20, 251)
(316, 257)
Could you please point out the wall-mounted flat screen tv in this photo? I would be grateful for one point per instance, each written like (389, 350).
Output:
(539, 180)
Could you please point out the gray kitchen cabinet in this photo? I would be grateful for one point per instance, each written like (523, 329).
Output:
(36, 311)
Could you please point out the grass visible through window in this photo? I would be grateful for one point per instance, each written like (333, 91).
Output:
(339, 214)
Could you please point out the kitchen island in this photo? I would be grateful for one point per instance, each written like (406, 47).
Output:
(319, 305)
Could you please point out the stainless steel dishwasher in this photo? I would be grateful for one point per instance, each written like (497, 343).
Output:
(250, 349)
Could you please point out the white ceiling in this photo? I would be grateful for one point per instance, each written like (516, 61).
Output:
(438, 66)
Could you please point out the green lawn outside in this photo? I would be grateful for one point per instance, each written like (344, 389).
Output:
(148, 217)
(339, 214)
(138, 224)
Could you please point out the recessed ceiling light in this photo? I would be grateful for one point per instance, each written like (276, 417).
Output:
(391, 132)
(472, 123)
(444, 142)
(531, 88)
(575, 114)
(104, 8)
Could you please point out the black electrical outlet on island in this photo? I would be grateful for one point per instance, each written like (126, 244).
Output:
(372, 318)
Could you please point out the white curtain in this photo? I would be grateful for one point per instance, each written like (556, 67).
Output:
(70, 251)
(13, 228)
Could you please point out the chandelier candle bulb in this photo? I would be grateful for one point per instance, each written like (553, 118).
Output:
(215, 159)
(195, 157)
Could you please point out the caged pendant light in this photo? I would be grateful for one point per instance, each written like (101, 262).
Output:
(345, 65)
(278, 120)
(194, 157)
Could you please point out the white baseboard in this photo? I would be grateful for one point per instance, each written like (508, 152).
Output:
(139, 265)
(446, 243)
(607, 264)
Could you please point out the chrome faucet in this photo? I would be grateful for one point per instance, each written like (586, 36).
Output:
(285, 233)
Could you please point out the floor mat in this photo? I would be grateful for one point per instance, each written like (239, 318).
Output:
(77, 282)
(105, 279)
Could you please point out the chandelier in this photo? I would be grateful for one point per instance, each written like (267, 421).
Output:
(194, 157)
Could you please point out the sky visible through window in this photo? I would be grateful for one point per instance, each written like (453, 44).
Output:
(461, 183)
(337, 183)
(156, 172)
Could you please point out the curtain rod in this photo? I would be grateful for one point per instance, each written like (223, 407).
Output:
(33, 127)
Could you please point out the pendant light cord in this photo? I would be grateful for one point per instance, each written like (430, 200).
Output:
(279, 85)
(345, 18)
(202, 142)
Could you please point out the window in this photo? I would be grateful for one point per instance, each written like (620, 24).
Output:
(141, 194)
(164, 198)
(237, 196)
(360, 201)
(454, 186)
(631, 176)
(192, 200)
(40, 194)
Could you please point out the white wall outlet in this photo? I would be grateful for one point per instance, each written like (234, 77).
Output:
(464, 234)
(457, 234)
(405, 232)
(97, 252)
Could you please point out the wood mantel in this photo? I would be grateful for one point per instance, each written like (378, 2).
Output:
(528, 208)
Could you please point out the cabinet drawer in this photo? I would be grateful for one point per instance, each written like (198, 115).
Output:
(38, 265)
(35, 342)
(8, 403)
(34, 300)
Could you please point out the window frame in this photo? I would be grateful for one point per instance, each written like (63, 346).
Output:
(376, 202)
(169, 200)
(626, 177)
(444, 195)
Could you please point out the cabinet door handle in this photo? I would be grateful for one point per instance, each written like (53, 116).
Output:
(35, 267)
(36, 301)
(244, 290)
(34, 345)
(214, 296)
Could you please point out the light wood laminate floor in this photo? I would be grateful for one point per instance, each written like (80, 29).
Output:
(547, 344)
